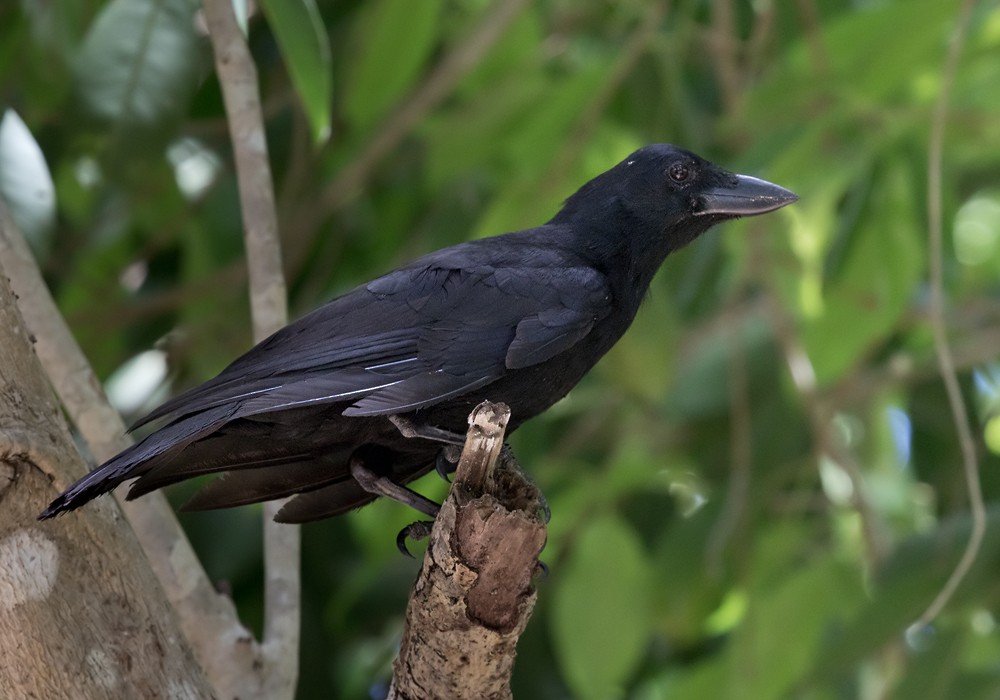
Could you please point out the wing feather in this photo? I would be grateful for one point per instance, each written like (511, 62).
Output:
(413, 338)
(417, 392)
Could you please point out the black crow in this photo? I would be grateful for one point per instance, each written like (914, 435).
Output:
(323, 407)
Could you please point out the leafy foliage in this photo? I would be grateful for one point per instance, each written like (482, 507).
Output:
(759, 490)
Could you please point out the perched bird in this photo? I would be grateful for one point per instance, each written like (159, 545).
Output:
(354, 400)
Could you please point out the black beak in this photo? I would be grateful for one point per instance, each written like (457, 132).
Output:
(749, 196)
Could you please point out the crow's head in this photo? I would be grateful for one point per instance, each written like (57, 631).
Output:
(628, 219)
(661, 198)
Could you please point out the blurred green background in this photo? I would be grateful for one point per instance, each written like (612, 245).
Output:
(760, 489)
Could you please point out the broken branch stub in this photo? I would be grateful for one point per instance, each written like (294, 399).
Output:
(473, 597)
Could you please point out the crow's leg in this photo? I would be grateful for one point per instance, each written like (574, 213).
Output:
(379, 485)
(409, 429)
(447, 458)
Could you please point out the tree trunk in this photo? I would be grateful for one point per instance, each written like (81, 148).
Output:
(81, 614)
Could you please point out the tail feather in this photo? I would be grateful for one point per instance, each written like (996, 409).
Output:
(258, 484)
(335, 499)
(324, 503)
(135, 460)
(198, 461)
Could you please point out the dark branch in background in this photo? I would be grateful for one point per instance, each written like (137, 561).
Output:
(740, 459)
(945, 360)
(207, 619)
(473, 597)
(812, 27)
(409, 111)
(761, 35)
(725, 51)
(825, 444)
(238, 78)
(418, 104)
(632, 50)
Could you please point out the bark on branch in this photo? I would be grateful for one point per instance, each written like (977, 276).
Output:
(473, 597)
(207, 619)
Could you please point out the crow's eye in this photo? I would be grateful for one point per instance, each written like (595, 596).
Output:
(679, 172)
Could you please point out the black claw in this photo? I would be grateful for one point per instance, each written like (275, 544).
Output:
(401, 543)
(543, 508)
(419, 530)
(543, 568)
(443, 466)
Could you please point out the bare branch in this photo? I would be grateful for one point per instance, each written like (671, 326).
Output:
(633, 49)
(824, 443)
(268, 305)
(812, 28)
(473, 597)
(725, 50)
(740, 458)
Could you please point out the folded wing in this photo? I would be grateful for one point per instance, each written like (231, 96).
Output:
(443, 327)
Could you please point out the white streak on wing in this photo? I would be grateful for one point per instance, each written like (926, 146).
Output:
(251, 393)
(372, 368)
(354, 410)
(328, 397)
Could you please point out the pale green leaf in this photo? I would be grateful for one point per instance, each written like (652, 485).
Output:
(600, 614)
(878, 280)
(25, 182)
(774, 648)
(398, 38)
(300, 33)
(140, 61)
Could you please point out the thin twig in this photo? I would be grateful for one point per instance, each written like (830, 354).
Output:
(414, 107)
(970, 463)
(812, 27)
(131, 311)
(268, 304)
(969, 351)
(590, 116)
(725, 51)
(824, 443)
(760, 37)
(740, 458)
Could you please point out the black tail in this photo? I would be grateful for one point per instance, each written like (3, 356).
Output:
(134, 461)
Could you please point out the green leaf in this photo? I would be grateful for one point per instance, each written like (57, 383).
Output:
(398, 38)
(932, 672)
(862, 305)
(474, 134)
(905, 586)
(140, 61)
(774, 647)
(700, 385)
(867, 59)
(601, 611)
(302, 38)
(529, 149)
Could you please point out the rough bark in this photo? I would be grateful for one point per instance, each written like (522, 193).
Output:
(473, 597)
(81, 613)
(207, 618)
